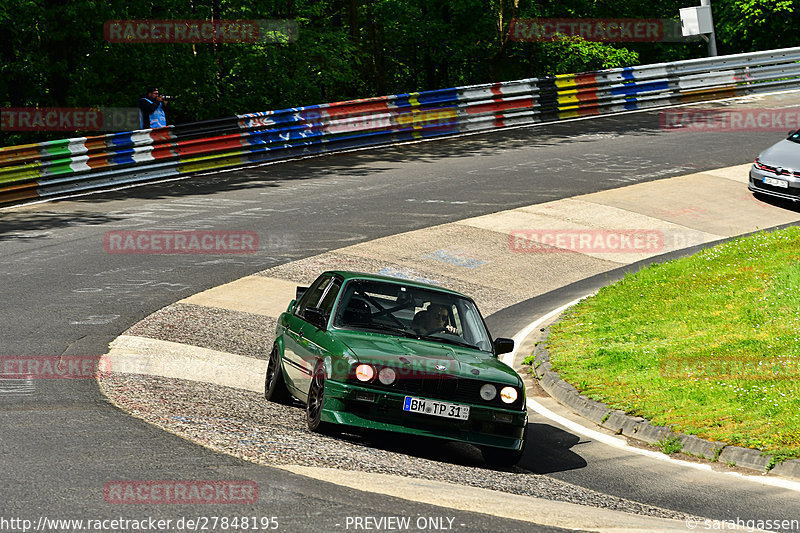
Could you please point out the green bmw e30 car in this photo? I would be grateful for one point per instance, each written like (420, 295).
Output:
(392, 354)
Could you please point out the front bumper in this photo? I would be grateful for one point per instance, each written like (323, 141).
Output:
(756, 184)
(364, 407)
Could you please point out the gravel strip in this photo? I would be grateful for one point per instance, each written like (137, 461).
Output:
(243, 424)
(210, 327)
(304, 271)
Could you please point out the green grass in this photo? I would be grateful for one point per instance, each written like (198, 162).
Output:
(709, 344)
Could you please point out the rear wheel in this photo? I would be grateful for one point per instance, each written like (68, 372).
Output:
(274, 386)
(316, 399)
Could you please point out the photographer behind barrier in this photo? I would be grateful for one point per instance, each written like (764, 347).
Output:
(151, 109)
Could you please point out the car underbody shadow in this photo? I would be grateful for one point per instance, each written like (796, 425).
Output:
(549, 449)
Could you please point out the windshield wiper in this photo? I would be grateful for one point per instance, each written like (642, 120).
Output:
(448, 341)
(403, 332)
(383, 328)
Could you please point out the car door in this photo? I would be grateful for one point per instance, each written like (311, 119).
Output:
(316, 342)
(295, 345)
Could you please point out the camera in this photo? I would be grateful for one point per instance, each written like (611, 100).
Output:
(167, 97)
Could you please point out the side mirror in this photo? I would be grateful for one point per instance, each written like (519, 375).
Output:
(503, 345)
(300, 292)
(316, 317)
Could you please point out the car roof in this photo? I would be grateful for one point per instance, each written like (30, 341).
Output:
(350, 275)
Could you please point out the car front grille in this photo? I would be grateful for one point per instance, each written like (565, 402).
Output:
(761, 186)
(444, 387)
(774, 170)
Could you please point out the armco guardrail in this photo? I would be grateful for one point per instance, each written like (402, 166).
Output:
(57, 168)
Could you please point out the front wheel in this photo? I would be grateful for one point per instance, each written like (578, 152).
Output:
(274, 386)
(316, 399)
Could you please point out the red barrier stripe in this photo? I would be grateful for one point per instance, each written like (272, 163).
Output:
(163, 152)
(98, 161)
(358, 109)
(586, 95)
(14, 154)
(501, 105)
(200, 146)
(15, 193)
(94, 144)
(585, 79)
(161, 135)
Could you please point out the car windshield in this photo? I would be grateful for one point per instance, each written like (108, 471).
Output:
(408, 311)
(795, 137)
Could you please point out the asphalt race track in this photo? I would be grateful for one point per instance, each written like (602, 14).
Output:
(61, 441)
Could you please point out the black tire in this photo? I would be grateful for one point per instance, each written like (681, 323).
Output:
(316, 399)
(274, 386)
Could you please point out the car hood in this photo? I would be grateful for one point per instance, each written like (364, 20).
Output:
(785, 154)
(417, 355)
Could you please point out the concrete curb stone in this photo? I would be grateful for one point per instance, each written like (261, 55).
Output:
(643, 430)
(744, 457)
(698, 447)
(790, 468)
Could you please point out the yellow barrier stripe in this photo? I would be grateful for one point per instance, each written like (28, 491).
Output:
(211, 163)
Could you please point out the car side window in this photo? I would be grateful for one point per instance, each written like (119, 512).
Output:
(312, 295)
(329, 296)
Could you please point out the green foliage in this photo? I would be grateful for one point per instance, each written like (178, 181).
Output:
(752, 25)
(671, 444)
(53, 52)
(707, 344)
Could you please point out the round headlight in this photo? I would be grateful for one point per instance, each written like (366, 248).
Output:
(387, 375)
(364, 373)
(508, 394)
(488, 392)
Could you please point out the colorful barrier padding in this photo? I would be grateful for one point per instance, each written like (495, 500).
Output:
(56, 168)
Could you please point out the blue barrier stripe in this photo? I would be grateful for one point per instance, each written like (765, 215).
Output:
(628, 73)
(636, 88)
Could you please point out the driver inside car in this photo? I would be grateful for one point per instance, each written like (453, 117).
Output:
(434, 319)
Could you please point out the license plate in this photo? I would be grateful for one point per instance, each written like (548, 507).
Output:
(432, 407)
(776, 183)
